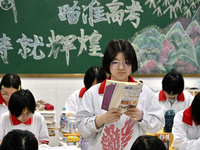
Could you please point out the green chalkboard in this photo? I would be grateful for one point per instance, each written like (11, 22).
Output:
(68, 37)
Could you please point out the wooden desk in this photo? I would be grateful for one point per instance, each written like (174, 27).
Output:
(161, 132)
(193, 92)
(68, 134)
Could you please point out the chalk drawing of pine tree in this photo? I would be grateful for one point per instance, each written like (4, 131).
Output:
(162, 7)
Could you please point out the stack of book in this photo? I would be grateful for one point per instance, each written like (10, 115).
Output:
(49, 116)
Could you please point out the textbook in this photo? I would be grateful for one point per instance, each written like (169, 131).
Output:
(121, 94)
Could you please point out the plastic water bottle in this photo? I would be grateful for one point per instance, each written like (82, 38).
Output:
(72, 125)
(64, 121)
(169, 116)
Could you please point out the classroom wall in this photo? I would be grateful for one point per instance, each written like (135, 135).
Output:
(56, 90)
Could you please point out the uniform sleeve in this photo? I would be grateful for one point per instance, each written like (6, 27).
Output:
(72, 102)
(2, 126)
(153, 119)
(44, 135)
(85, 116)
(196, 145)
(179, 132)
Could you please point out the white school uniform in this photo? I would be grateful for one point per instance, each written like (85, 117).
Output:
(74, 99)
(185, 131)
(36, 124)
(183, 101)
(3, 106)
(122, 133)
(72, 105)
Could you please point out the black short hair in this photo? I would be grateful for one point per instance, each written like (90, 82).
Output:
(19, 101)
(10, 80)
(95, 72)
(116, 46)
(19, 140)
(148, 142)
(195, 111)
(173, 82)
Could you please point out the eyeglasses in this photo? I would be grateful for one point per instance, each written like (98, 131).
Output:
(5, 95)
(23, 116)
(116, 64)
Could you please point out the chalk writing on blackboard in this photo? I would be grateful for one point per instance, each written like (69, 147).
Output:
(65, 44)
(96, 13)
(58, 43)
(9, 4)
(26, 43)
(5, 45)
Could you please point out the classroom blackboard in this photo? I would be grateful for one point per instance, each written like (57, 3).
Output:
(68, 37)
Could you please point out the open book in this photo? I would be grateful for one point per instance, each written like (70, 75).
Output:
(121, 94)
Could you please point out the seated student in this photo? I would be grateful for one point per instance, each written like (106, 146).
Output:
(93, 76)
(147, 142)
(21, 116)
(186, 128)
(172, 96)
(8, 85)
(19, 140)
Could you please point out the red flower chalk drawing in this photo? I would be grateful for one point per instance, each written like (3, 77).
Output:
(112, 136)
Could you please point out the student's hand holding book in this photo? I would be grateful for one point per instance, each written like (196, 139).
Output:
(110, 116)
(134, 113)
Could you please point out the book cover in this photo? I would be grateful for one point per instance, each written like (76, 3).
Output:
(121, 94)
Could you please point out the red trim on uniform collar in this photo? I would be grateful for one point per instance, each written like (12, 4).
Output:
(102, 85)
(15, 121)
(187, 118)
(181, 97)
(82, 92)
(2, 100)
(162, 97)
(44, 142)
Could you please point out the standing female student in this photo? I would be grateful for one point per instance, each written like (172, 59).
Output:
(21, 116)
(9, 84)
(111, 129)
